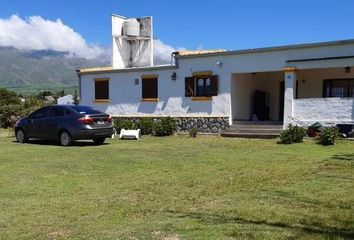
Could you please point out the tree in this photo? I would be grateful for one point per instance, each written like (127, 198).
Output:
(12, 109)
(8, 97)
(60, 93)
(76, 98)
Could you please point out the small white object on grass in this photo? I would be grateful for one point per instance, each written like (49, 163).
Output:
(130, 134)
(114, 133)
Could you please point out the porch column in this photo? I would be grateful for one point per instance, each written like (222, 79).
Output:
(290, 94)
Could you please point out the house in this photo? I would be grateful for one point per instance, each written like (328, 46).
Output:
(303, 83)
(66, 100)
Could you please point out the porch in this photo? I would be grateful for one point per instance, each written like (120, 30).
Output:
(257, 96)
(308, 95)
(323, 95)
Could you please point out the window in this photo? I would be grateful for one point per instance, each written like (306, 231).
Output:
(57, 112)
(201, 86)
(149, 89)
(102, 89)
(41, 113)
(338, 88)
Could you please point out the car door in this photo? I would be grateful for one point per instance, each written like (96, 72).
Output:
(35, 128)
(56, 115)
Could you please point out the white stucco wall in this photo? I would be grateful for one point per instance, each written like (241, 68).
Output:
(117, 25)
(125, 97)
(242, 89)
(324, 109)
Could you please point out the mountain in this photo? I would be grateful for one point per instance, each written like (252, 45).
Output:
(26, 71)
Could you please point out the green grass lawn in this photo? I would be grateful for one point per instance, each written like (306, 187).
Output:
(177, 188)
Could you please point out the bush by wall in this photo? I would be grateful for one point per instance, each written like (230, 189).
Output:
(146, 125)
(293, 134)
(328, 136)
(165, 127)
(193, 132)
(120, 124)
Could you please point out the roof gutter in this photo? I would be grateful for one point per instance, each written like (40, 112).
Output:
(123, 70)
(320, 59)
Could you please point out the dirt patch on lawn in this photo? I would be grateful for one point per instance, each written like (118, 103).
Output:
(58, 234)
(160, 236)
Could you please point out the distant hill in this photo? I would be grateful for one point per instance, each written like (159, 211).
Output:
(27, 71)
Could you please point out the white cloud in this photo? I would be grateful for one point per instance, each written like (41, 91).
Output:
(36, 33)
(162, 52)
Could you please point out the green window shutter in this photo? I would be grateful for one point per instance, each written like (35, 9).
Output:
(189, 86)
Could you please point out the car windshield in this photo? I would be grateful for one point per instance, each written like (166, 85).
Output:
(85, 110)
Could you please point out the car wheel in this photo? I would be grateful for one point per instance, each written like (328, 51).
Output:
(99, 141)
(21, 136)
(65, 139)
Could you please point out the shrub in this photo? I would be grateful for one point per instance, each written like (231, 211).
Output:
(165, 127)
(12, 109)
(120, 124)
(293, 134)
(9, 114)
(193, 132)
(146, 125)
(328, 136)
(8, 97)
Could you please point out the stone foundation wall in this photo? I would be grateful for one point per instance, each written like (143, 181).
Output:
(183, 124)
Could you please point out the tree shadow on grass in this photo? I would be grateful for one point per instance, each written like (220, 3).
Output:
(344, 156)
(306, 229)
(56, 143)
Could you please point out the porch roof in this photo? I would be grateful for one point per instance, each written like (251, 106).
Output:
(270, 49)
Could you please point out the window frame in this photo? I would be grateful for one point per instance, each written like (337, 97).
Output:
(145, 78)
(101, 100)
(346, 83)
(212, 91)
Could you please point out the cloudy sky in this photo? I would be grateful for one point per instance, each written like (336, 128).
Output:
(83, 27)
(36, 33)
